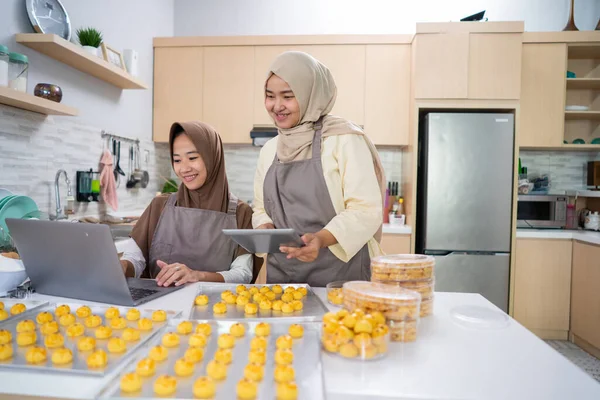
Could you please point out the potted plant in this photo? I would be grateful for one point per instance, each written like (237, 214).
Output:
(90, 39)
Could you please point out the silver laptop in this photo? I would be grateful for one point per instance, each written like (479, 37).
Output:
(79, 261)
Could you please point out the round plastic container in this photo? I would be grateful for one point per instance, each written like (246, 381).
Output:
(402, 267)
(394, 302)
(334, 293)
(355, 335)
(405, 331)
(424, 287)
(477, 317)
(426, 307)
(3, 66)
(18, 69)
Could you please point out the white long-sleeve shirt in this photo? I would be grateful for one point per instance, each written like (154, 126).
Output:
(353, 188)
(240, 270)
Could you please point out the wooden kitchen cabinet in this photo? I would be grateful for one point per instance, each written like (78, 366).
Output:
(543, 286)
(544, 69)
(387, 94)
(392, 243)
(177, 88)
(495, 65)
(462, 65)
(229, 91)
(585, 298)
(346, 63)
(441, 63)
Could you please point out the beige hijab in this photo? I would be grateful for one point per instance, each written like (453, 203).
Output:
(315, 89)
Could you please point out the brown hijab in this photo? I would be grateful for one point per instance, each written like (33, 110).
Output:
(213, 195)
(315, 89)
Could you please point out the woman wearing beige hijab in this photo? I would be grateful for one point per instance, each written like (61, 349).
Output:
(178, 239)
(320, 176)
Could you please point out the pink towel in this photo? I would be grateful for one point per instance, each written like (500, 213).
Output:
(108, 187)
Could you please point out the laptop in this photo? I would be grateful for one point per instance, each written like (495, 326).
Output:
(79, 261)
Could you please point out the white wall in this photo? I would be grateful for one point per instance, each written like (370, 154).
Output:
(281, 17)
(125, 24)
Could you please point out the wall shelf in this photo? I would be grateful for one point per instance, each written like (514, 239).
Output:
(29, 102)
(582, 115)
(73, 55)
(564, 147)
(583, 83)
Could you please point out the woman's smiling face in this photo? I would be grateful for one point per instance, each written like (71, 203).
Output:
(187, 163)
(281, 104)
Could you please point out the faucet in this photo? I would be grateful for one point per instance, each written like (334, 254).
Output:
(60, 214)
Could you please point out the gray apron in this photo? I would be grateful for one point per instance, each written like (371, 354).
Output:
(296, 196)
(193, 237)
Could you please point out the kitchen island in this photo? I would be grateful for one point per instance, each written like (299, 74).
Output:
(447, 361)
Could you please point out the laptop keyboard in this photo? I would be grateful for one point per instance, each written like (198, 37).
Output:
(138, 293)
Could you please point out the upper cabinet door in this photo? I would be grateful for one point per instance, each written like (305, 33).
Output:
(177, 88)
(495, 65)
(543, 81)
(387, 94)
(228, 91)
(346, 63)
(441, 66)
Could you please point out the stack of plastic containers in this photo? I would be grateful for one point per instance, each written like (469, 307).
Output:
(410, 271)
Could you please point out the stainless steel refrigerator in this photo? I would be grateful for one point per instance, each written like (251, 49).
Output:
(464, 201)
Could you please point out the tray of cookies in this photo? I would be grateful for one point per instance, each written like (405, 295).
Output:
(226, 301)
(402, 267)
(10, 308)
(226, 359)
(76, 338)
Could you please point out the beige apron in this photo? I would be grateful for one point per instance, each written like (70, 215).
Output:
(296, 196)
(193, 237)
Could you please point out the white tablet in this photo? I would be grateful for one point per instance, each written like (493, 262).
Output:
(264, 240)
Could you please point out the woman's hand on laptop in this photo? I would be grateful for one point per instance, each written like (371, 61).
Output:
(175, 273)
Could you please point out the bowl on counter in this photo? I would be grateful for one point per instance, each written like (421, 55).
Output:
(48, 91)
(12, 273)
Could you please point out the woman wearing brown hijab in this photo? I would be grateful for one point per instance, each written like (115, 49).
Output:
(178, 239)
(320, 176)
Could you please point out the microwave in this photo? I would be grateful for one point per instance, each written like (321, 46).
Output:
(541, 211)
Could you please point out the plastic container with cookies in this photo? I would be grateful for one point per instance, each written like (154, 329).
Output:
(405, 331)
(334, 293)
(402, 267)
(395, 303)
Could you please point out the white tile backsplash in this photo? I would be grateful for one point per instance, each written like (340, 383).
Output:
(567, 170)
(33, 147)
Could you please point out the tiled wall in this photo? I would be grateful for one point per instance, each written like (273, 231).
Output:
(33, 147)
(241, 163)
(567, 170)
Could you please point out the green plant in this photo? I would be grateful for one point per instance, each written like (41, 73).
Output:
(170, 186)
(89, 37)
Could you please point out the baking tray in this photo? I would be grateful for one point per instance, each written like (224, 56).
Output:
(79, 364)
(313, 309)
(30, 304)
(307, 363)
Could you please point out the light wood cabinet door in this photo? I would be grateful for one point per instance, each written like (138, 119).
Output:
(228, 91)
(177, 88)
(346, 63)
(543, 81)
(387, 94)
(585, 299)
(395, 244)
(543, 286)
(495, 65)
(441, 66)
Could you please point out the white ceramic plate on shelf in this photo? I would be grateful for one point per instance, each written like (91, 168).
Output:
(577, 108)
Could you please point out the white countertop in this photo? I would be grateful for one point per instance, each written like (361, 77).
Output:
(581, 235)
(397, 229)
(446, 362)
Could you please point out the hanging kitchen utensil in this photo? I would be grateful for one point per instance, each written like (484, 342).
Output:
(145, 175)
(118, 167)
(132, 179)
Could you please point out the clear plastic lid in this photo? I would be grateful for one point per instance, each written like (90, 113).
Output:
(380, 292)
(421, 284)
(404, 260)
(477, 317)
